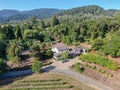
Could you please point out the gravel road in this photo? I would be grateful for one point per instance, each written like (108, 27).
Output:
(84, 79)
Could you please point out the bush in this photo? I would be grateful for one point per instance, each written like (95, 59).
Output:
(102, 71)
(79, 68)
(87, 65)
(93, 67)
(110, 75)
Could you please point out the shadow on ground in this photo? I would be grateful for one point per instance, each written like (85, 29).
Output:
(47, 69)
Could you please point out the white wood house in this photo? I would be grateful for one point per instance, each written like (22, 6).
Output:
(60, 48)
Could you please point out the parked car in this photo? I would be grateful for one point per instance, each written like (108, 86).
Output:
(63, 61)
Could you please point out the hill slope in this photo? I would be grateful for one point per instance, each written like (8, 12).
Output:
(76, 14)
(87, 13)
(14, 15)
(7, 13)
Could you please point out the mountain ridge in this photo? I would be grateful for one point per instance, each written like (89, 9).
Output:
(81, 12)
(16, 15)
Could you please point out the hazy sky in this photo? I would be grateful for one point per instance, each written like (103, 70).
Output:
(60, 4)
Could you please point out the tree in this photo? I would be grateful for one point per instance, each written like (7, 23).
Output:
(36, 65)
(55, 21)
(42, 24)
(112, 46)
(31, 34)
(98, 43)
(64, 56)
(2, 36)
(8, 30)
(35, 48)
(14, 51)
(33, 21)
(48, 54)
(47, 39)
(42, 46)
(17, 32)
(67, 40)
(2, 48)
(3, 66)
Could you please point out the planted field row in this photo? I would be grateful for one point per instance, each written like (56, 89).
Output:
(53, 83)
(38, 84)
(40, 80)
(42, 88)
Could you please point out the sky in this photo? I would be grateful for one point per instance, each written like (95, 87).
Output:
(59, 4)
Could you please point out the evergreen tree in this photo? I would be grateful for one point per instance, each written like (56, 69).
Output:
(36, 66)
(55, 21)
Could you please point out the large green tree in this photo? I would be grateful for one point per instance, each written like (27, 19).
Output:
(2, 48)
(36, 67)
(14, 51)
(55, 20)
(8, 31)
(112, 46)
(3, 66)
(17, 32)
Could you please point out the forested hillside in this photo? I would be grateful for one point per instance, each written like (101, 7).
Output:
(14, 15)
(7, 13)
(86, 13)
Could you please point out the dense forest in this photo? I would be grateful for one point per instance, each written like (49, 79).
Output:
(86, 13)
(79, 14)
(17, 16)
(37, 35)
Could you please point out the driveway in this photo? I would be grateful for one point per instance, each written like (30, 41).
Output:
(66, 65)
(63, 68)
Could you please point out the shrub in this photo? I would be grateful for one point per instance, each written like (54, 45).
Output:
(110, 75)
(93, 67)
(79, 68)
(102, 71)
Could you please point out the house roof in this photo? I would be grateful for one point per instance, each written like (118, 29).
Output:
(83, 46)
(57, 54)
(60, 46)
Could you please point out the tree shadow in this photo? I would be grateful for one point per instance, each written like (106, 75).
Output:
(10, 80)
(16, 74)
(47, 69)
